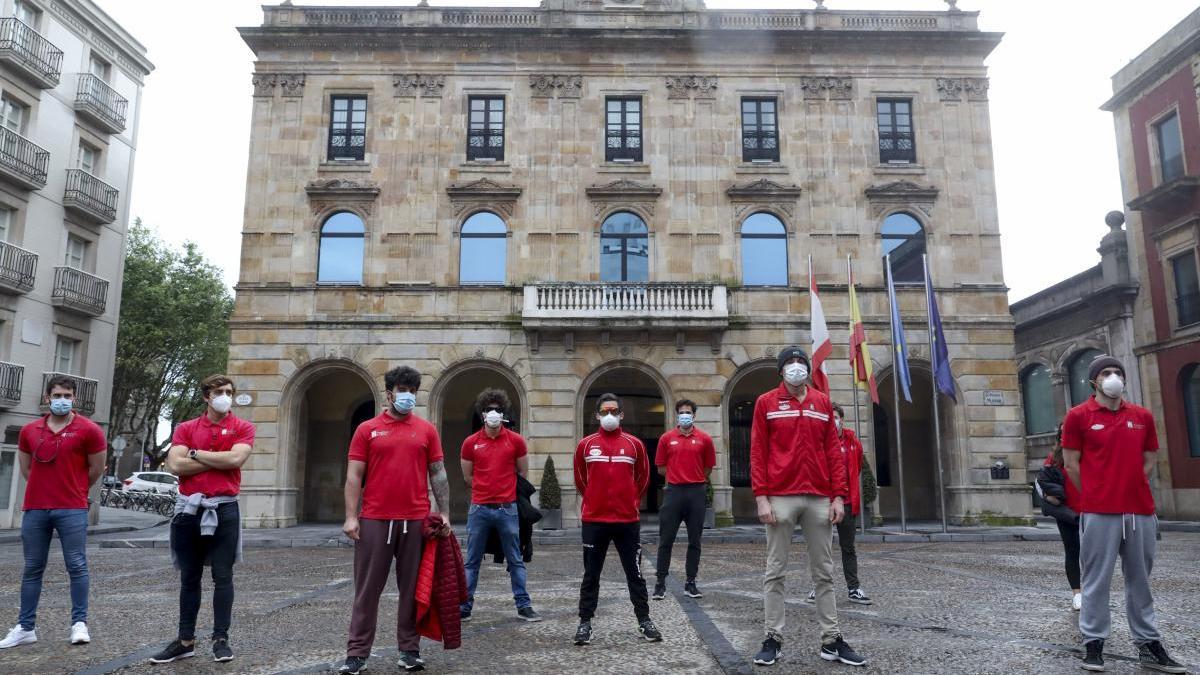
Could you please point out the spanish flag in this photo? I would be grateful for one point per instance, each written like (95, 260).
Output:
(860, 355)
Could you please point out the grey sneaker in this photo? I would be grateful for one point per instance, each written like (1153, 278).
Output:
(411, 661)
(649, 631)
(660, 590)
(771, 650)
(583, 635)
(221, 650)
(528, 614)
(353, 665)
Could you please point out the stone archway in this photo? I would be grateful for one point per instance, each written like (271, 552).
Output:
(751, 381)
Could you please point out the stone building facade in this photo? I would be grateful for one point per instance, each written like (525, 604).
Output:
(614, 195)
(70, 90)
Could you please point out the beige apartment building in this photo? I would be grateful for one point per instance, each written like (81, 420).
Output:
(616, 195)
(70, 87)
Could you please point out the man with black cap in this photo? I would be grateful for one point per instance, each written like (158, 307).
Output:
(1109, 446)
(798, 475)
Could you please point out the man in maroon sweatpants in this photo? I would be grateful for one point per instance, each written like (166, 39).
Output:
(394, 460)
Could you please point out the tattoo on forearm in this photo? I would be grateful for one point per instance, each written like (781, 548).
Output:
(441, 486)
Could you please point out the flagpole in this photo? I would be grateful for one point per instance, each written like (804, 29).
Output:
(896, 398)
(862, 510)
(933, 360)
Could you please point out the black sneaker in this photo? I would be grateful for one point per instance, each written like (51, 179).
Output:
(649, 631)
(1094, 659)
(411, 661)
(464, 615)
(838, 650)
(691, 591)
(660, 590)
(583, 635)
(859, 598)
(772, 650)
(528, 614)
(174, 651)
(1154, 656)
(221, 650)
(353, 665)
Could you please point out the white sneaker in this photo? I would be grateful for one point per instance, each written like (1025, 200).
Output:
(812, 596)
(1077, 602)
(79, 633)
(18, 636)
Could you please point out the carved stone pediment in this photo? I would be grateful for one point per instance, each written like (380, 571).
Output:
(820, 87)
(884, 196)
(763, 189)
(409, 85)
(483, 193)
(691, 86)
(546, 85)
(291, 84)
(953, 88)
(625, 189)
(326, 193)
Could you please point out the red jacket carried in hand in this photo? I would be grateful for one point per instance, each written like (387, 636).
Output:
(441, 586)
(794, 448)
(612, 470)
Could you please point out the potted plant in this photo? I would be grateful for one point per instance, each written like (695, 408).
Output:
(870, 490)
(710, 516)
(550, 498)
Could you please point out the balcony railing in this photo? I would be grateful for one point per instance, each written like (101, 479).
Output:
(33, 55)
(90, 197)
(22, 161)
(11, 377)
(1187, 309)
(616, 304)
(79, 291)
(101, 103)
(85, 393)
(17, 268)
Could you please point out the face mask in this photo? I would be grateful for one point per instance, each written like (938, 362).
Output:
(493, 418)
(1113, 386)
(795, 374)
(685, 420)
(838, 422)
(222, 403)
(60, 406)
(405, 402)
(609, 422)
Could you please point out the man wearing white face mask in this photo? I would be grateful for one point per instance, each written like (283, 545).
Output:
(686, 456)
(1109, 448)
(207, 454)
(491, 460)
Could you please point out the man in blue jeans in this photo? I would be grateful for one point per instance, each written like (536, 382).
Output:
(491, 459)
(62, 455)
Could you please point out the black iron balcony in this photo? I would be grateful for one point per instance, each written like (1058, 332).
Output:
(22, 161)
(1187, 309)
(11, 377)
(17, 268)
(85, 392)
(101, 103)
(31, 54)
(90, 197)
(78, 291)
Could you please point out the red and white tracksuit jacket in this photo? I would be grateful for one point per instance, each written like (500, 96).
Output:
(612, 470)
(794, 446)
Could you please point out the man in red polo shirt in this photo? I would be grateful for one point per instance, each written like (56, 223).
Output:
(798, 475)
(207, 454)
(491, 460)
(686, 456)
(62, 455)
(394, 460)
(1109, 448)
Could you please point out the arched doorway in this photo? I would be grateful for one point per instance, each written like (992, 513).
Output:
(920, 463)
(332, 406)
(753, 381)
(454, 402)
(644, 402)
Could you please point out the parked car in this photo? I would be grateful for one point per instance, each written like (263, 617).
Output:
(110, 481)
(152, 481)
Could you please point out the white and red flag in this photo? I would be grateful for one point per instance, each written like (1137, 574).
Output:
(822, 347)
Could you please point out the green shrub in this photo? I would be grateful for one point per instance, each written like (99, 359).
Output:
(551, 494)
(870, 489)
(708, 492)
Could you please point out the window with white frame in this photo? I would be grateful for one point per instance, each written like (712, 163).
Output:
(76, 252)
(66, 352)
(98, 67)
(13, 114)
(27, 13)
(89, 158)
(7, 216)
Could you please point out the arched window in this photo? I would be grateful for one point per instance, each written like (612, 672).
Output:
(1038, 400)
(341, 257)
(624, 248)
(904, 240)
(484, 247)
(1191, 407)
(764, 251)
(1081, 389)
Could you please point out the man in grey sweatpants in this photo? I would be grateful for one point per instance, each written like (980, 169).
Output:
(1109, 449)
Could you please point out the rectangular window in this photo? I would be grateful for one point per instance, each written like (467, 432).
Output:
(7, 216)
(65, 351)
(760, 133)
(623, 130)
(27, 14)
(89, 158)
(1187, 289)
(896, 144)
(348, 128)
(98, 67)
(13, 115)
(485, 128)
(1170, 148)
(76, 252)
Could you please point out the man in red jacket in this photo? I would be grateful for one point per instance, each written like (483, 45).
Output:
(612, 471)
(852, 451)
(798, 475)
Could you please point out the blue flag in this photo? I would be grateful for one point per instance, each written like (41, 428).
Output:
(938, 352)
(899, 347)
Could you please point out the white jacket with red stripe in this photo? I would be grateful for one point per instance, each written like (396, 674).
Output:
(612, 470)
(794, 446)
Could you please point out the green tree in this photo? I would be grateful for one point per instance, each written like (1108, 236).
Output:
(173, 331)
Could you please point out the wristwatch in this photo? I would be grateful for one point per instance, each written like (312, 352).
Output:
(192, 453)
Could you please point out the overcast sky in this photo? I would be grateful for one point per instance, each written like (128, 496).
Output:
(1056, 163)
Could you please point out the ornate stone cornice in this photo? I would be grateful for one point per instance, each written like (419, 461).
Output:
(326, 193)
(264, 84)
(953, 88)
(763, 194)
(638, 196)
(483, 193)
(884, 196)
(291, 85)
(546, 85)
(822, 87)
(691, 86)
(408, 85)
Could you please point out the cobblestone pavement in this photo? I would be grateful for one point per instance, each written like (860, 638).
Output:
(984, 607)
